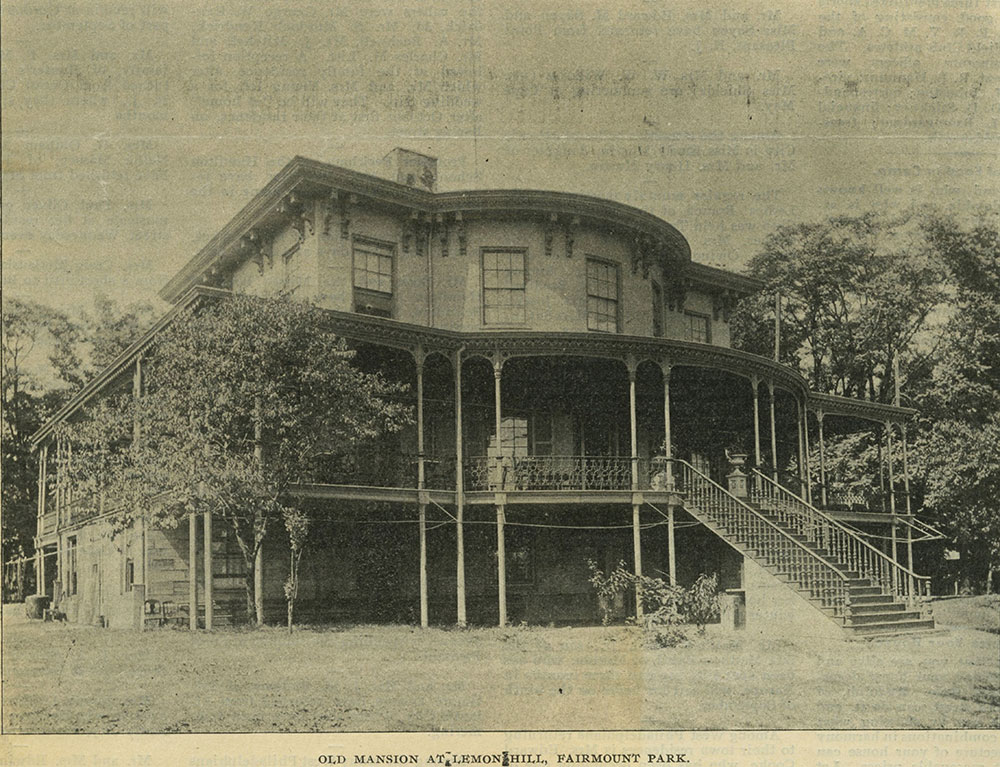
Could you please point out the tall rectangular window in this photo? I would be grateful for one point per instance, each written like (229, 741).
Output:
(503, 287)
(698, 328)
(657, 310)
(602, 296)
(373, 277)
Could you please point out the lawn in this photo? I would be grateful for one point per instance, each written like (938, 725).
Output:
(71, 679)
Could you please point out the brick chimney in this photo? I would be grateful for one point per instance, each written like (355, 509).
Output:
(411, 169)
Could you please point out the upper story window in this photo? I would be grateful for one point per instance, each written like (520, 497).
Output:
(602, 295)
(503, 287)
(657, 309)
(699, 328)
(373, 283)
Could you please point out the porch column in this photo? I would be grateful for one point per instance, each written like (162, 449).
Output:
(459, 495)
(755, 384)
(802, 463)
(774, 437)
(209, 613)
(40, 570)
(892, 494)
(634, 446)
(909, 514)
(631, 364)
(668, 453)
(667, 446)
(805, 453)
(418, 356)
(192, 572)
(501, 547)
(822, 459)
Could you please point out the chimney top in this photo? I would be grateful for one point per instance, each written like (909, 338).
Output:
(410, 168)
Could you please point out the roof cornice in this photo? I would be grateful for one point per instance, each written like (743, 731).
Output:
(312, 176)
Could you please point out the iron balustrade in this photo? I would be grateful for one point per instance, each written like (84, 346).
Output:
(555, 472)
(837, 541)
(763, 539)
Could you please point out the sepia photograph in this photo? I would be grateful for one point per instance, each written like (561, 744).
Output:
(502, 367)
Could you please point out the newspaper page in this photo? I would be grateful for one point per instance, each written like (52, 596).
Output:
(134, 134)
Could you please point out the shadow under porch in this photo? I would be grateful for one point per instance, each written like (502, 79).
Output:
(362, 564)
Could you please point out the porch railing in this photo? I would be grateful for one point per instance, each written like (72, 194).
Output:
(554, 472)
(841, 543)
(768, 542)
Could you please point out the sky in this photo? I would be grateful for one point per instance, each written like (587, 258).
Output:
(132, 132)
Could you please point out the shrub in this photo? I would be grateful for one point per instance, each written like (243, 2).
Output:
(670, 636)
(609, 586)
(701, 601)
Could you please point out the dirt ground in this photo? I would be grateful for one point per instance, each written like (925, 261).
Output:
(61, 678)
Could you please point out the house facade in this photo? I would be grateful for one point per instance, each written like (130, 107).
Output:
(577, 404)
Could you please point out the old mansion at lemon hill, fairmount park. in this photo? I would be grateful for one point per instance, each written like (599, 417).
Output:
(576, 399)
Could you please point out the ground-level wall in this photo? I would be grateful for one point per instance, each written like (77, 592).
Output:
(774, 609)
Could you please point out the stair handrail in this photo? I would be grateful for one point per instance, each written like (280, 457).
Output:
(845, 603)
(923, 581)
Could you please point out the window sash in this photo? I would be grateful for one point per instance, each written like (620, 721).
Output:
(373, 268)
(602, 296)
(503, 287)
(699, 329)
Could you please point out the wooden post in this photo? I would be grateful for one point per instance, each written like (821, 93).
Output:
(418, 356)
(892, 495)
(806, 461)
(501, 567)
(421, 482)
(774, 436)
(802, 464)
(459, 495)
(209, 612)
(632, 423)
(755, 384)
(671, 550)
(637, 554)
(422, 514)
(909, 514)
(822, 459)
(501, 547)
(634, 445)
(192, 572)
(665, 367)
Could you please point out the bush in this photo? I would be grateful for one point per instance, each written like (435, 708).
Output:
(670, 636)
(701, 601)
(664, 605)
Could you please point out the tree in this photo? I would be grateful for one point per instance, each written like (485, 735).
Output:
(30, 396)
(854, 290)
(923, 285)
(111, 329)
(960, 428)
(244, 397)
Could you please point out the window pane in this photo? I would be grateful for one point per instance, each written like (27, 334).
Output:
(373, 267)
(503, 287)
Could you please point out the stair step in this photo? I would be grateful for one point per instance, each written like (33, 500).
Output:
(883, 617)
(877, 607)
(865, 591)
(892, 627)
(871, 599)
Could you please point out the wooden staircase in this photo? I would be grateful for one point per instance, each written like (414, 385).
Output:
(863, 591)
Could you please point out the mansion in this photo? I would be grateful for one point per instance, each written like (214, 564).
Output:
(576, 401)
